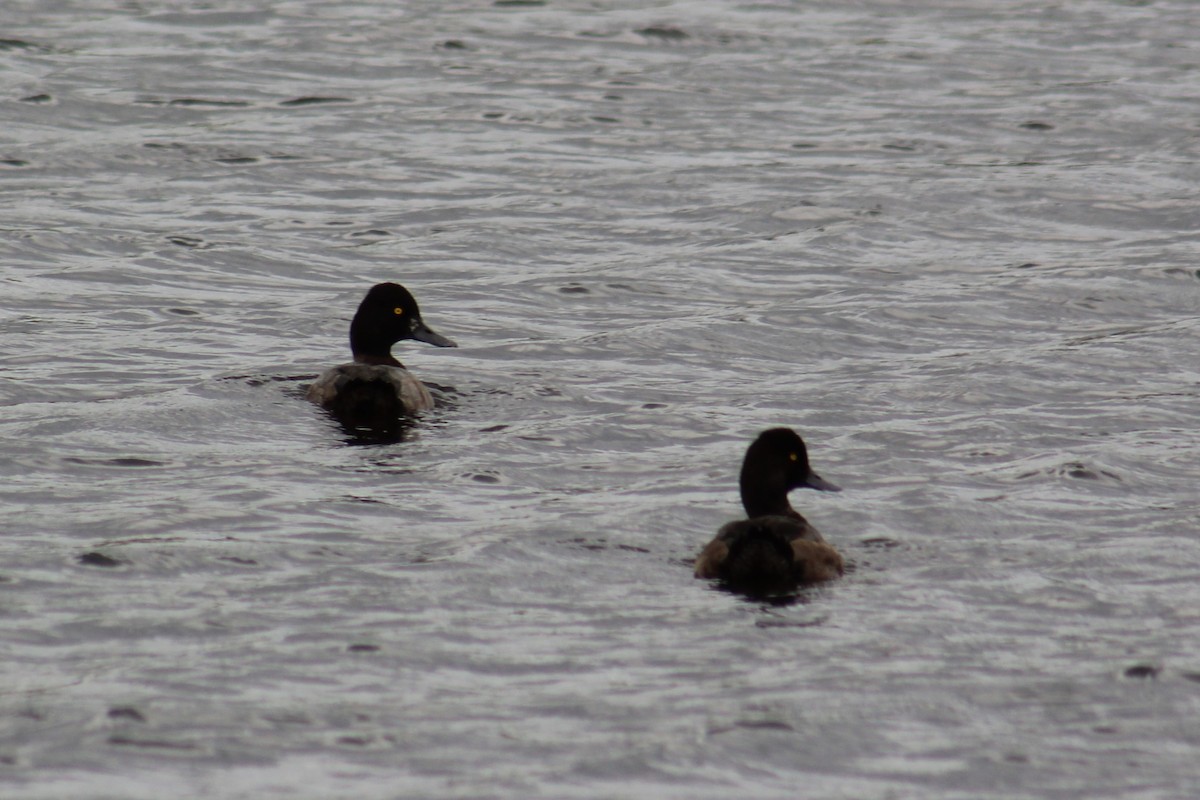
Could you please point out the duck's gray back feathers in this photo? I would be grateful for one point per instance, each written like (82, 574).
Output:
(369, 389)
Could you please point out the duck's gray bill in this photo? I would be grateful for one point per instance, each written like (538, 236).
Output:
(815, 481)
(422, 333)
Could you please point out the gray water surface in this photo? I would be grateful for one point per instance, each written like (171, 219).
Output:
(952, 242)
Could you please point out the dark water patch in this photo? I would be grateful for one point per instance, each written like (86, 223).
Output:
(519, 3)
(369, 500)
(1037, 126)
(191, 242)
(605, 120)
(191, 102)
(200, 102)
(1107, 337)
(313, 100)
(1083, 473)
(1142, 672)
(37, 98)
(599, 544)
(1194, 677)
(183, 312)
(1187, 273)
(763, 725)
(482, 477)
(367, 436)
(976, 163)
(879, 543)
(14, 162)
(126, 712)
(363, 648)
(1074, 470)
(782, 601)
(241, 562)
(236, 159)
(354, 741)
(664, 33)
(372, 427)
(149, 540)
(493, 429)
(387, 463)
(324, 554)
(23, 46)
(263, 380)
(766, 600)
(585, 544)
(652, 406)
(452, 44)
(95, 559)
(128, 461)
(578, 288)
(372, 232)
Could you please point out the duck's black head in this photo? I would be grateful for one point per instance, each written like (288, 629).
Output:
(777, 462)
(385, 316)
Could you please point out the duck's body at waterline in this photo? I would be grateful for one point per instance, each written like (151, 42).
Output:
(775, 549)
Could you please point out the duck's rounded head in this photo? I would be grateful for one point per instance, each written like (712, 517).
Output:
(775, 463)
(386, 315)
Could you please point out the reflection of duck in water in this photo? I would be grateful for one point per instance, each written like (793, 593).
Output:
(375, 390)
(775, 549)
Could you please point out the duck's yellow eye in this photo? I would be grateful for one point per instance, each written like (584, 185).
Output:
(793, 457)
(397, 311)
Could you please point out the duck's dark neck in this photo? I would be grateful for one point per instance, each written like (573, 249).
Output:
(764, 495)
(387, 360)
(369, 346)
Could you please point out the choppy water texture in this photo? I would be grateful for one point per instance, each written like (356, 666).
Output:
(953, 242)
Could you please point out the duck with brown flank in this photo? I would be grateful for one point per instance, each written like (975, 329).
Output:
(775, 550)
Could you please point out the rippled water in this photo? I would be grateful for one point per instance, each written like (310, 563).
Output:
(953, 242)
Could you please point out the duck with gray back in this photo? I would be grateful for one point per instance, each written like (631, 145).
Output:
(375, 387)
(774, 550)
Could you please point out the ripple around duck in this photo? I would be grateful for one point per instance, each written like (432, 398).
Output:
(955, 250)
